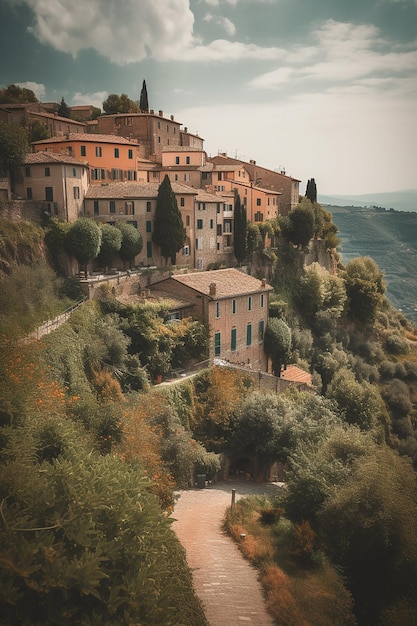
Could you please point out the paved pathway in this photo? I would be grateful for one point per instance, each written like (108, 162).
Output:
(224, 581)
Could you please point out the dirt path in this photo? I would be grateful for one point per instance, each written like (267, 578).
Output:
(225, 582)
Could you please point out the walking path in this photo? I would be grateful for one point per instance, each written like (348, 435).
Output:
(225, 582)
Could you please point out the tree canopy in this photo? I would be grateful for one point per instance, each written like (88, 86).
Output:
(14, 146)
(131, 243)
(311, 190)
(143, 102)
(277, 343)
(83, 240)
(119, 104)
(63, 109)
(169, 231)
(111, 241)
(240, 229)
(14, 94)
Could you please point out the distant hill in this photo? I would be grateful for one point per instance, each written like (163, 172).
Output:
(390, 238)
(405, 200)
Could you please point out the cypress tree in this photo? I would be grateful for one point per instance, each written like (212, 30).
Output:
(143, 102)
(169, 230)
(311, 190)
(64, 110)
(240, 228)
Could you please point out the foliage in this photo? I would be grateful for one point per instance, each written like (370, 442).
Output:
(14, 146)
(21, 243)
(14, 94)
(143, 101)
(131, 244)
(277, 343)
(83, 540)
(311, 190)
(111, 241)
(253, 239)
(38, 131)
(239, 229)
(119, 104)
(63, 109)
(364, 288)
(169, 230)
(370, 529)
(299, 226)
(83, 240)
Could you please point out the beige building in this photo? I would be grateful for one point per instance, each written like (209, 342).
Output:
(135, 203)
(233, 305)
(59, 181)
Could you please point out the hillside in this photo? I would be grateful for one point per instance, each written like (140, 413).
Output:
(390, 238)
(405, 200)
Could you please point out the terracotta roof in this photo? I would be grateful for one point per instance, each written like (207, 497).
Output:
(96, 137)
(229, 283)
(52, 157)
(205, 196)
(296, 375)
(182, 149)
(134, 190)
(68, 120)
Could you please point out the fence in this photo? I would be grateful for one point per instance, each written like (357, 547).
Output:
(51, 325)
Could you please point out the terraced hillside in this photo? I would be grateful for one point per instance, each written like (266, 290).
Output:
(390, 238)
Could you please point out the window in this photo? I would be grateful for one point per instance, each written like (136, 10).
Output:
(261, 330)
(148, 206)
(76, 191)
(259, 217)
(182, 201)
(233, 340)
(219, 229)
(96, 207)
(175, 177)
(130, 154)
(98, 174)
(29, 193)
(149, 249)
(99, 151)
(187, 220)
(47, 171)
(199, 224)
(217, 309)
(186, 177)
(217, 343)
(177, 160)
(187, 160)
(112, 206)
(234, 309)
(249, 303)
(249, 334)
(211, 224)
(199, 243)
(116, 153)
(131, 175)
(148, 226)
(49, 194)
(262, 300)
(258, 202)
(218, 207)
(116, 174)
(27, 171)
(186, 251)
(83, 151)
(129, 208)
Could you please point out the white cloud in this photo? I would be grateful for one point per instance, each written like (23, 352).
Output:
(96, 99)
(227, 24)
(37, 88)
(124, 32)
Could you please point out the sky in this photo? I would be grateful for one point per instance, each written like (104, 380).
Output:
(324, 89)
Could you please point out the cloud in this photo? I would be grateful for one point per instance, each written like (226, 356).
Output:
(344, 54)
(37, 88)
(124, 32)
(96, 99)
(227, 24)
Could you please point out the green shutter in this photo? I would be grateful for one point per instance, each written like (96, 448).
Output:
(233, 340)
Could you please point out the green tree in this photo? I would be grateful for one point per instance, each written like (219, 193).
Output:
(169, 231)
(14, 146)
(311, 190)
(63, 109)
(365, 288)
(119, 104)
(14, 94)
(299, 225)
(143, 102)
(111, 241)
(83, 241)
(370, 528)
(240, 229)
(254, 239)
(38, 131)
(277, 343)
(131, 244)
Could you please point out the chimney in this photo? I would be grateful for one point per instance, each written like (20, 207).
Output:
(172, 118)
(263, 283)
(161, 113)
(212, 289)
